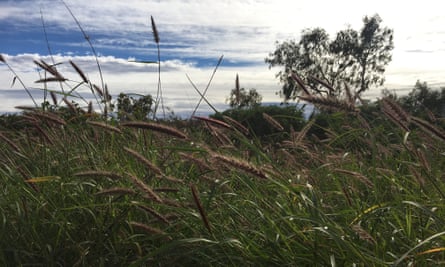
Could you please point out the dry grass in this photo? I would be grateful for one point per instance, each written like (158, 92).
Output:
(151, 211)
(222, 138)
(239, 164)
(70, 105)
(144, 188)
(90, 108)
(52, 70)
(146, 228)
(105, 126)
(364, 235)
(330, 103)
(237, 125)
(198, 203)
(144, 160)
(300, 82)
(198, 162)
(395, 113)
(152, 167)
(419, 178)
(27, 108)
(166, 190)
(100, 174)
(156, 127)
(155, 31)
(213, 121)
(98, 90)
(50, 117)
(9, 142)
(298, 137)
(116, 191)
(53, 97)
(171, 179)
(273, 122)
(43, 133)
(357, 175)
(79, 71)
(429, 128)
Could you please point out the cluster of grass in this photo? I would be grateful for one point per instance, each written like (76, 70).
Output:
(345, 189)
(349, 187)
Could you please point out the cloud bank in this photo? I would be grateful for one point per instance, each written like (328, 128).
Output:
(194, 34)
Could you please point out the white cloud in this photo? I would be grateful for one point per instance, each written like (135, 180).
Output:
(244, 31)
(123, 76)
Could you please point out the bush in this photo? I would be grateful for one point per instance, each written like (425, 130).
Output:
(288, 116)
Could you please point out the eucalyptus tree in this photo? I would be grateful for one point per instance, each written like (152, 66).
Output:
(353, 58)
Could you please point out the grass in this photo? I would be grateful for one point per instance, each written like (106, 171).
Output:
(144, 193)
(351, 187)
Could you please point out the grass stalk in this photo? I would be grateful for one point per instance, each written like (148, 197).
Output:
(207, 87)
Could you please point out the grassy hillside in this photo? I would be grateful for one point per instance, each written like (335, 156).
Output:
(356, 188)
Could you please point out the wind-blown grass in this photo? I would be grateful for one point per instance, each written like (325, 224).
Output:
(92, 196)
(350, 188)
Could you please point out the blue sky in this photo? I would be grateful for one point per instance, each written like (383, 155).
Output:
(194, 34)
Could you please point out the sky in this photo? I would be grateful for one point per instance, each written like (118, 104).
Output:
(193, 36)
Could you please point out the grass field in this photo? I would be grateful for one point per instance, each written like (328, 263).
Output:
(353, 189)
(348, 187)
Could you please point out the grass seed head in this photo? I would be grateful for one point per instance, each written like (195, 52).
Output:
(236, 124)
(146, 228)
(144, 188)
(99, 174)
(151, 211)
(116, 191)
(200, 207)
(9, 142)
(273, 122)
(155, 31)
(79, 71)
(429, 128)
(156, 127)
(105, 126)
(242, 165)
(144, 160)
(213, 121)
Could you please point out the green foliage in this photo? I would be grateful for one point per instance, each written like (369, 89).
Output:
(422, 100)
(11, 122)
(289, 116)
(354, 57)
(134, 106)
(240, 98)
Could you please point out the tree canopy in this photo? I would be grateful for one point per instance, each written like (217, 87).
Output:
(357, 58)
(134, 106)
(423, 100)
(241, 98)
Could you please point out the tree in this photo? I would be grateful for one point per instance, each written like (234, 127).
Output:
(288, 115)
(422, 100)
(240, 98)
(355, 58)
(134, 106)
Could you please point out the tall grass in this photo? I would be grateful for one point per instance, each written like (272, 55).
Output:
(334, 195)
(355, 186)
